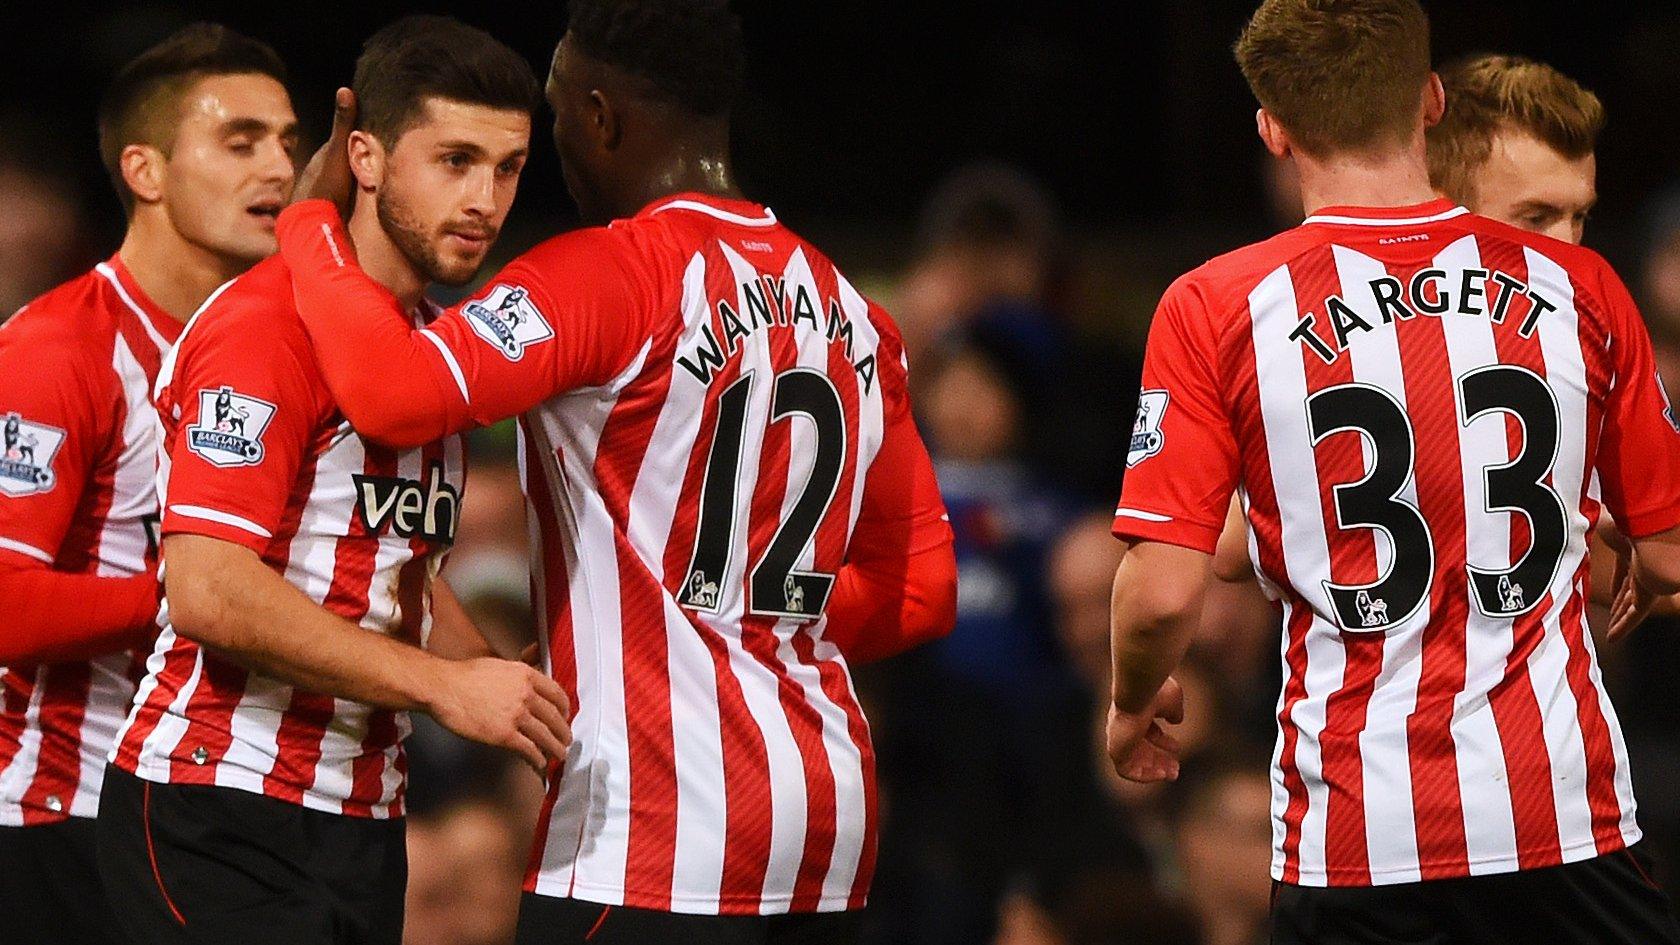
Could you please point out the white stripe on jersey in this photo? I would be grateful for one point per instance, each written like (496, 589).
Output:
(1283, 395)
(1490, 834)
(1390, 831)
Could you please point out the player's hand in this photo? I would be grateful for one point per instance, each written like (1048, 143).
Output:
(1140, 748)
(1632, 603)
(327, 175)
(505, 704)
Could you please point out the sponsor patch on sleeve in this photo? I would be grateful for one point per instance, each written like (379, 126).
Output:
(229, 428)
(26, 459)
(1147, 438)
(508, 319)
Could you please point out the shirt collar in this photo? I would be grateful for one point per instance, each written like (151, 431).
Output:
(1432, 211)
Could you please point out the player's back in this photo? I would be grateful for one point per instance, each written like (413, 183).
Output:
(704, 502)
(1418, 403)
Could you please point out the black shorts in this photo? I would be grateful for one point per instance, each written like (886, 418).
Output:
(207, 864)
(50, 892)
(547, 920)
(1607, 900)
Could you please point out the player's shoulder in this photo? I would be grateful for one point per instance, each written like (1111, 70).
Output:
(257, 306)
(73, 322)
(1226, 280)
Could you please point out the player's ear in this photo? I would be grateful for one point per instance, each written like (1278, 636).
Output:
(143, 168)
(1434, 101)
(367, 160)
(1276, 139)
(604, 121)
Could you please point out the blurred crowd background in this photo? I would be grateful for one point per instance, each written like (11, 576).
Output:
(1017, 183)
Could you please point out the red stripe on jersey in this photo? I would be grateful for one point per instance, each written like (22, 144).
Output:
(746, 757)
(177, 669)
(652, 839)
(1595, 729)
(15, 691)
(58, 766)
(1340, 459)
(1437, 803)
(759, 637)
(554, 598)
(1516, 708)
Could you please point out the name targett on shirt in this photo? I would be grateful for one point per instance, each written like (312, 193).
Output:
(767, 304)
(1482, 293)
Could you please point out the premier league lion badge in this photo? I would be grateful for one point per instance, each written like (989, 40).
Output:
(508, 319)
(26, 463)
(1147, 438)
(229, 428)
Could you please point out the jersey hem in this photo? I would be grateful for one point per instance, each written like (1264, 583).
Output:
(1492, 866)
(689, 905)
(379, 810)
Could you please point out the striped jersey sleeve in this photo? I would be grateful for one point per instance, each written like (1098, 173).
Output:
(244, 412)
(1182, 461)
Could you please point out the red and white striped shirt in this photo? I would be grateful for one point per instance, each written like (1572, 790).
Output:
(714, 421)
(76, 494)
(1424, 410)
(255, 453)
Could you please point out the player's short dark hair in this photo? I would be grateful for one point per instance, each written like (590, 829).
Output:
(142, 103)
(690, 51)
(423, 56)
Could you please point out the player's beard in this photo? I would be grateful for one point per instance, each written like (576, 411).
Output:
(413, 241)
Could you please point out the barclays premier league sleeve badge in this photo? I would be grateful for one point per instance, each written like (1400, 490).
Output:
(26, 461)
(229, 428)
(1147, 438)
(508, 319)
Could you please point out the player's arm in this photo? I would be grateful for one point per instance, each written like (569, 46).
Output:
(63, 417)
(1175, 505)
(1639, 464)
(898, 587)
(490, 358)
(220, 519)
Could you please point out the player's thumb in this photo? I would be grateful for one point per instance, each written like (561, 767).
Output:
(1169, 705)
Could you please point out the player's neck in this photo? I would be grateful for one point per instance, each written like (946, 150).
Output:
(176, 274)
(692, 166)
(380, 258)
(1386, 179)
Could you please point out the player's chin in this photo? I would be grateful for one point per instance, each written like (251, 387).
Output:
(457, 269)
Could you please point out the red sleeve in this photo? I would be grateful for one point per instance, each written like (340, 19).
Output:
(562, 316)
(1182, 465)
(53, 616)
(897, 588)
(57, 419)
(249, 411)
(1639, 448)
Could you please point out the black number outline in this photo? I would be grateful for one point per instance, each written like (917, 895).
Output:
(813, 391)
(714, 530)
(804, 392)
(1358, 416)
(1488, 587)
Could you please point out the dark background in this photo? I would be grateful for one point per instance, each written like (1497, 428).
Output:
(1131, 112)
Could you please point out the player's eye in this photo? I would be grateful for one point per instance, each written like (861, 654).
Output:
(457, 160)
(510, 167)
(242, 146)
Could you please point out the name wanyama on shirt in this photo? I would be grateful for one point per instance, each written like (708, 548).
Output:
(767, 304)
(1475, 292)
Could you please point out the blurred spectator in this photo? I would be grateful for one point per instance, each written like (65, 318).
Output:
(993, 708)
(464, 875)
(42, 243)
(1222, 826)
(993, 259)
